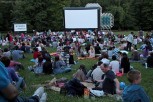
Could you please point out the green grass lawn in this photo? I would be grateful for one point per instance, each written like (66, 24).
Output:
(32, 79)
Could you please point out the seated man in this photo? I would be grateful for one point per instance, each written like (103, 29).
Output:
(109, 83)
(17, 54)
(97, 73)
(9, 92)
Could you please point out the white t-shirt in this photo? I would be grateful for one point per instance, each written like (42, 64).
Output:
(97, 73)
(110, 53)
(91, 53)
(105, 60)
(39, 48)
(135, 41)
(115, 66)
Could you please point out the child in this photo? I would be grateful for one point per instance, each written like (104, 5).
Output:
(134, 92)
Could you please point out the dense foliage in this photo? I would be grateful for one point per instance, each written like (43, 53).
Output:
(48, 14)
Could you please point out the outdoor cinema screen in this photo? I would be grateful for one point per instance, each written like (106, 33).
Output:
(81, 18)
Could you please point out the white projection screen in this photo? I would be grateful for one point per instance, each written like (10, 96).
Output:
(81, 18)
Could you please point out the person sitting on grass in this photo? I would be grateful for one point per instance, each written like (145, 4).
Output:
(36, 53)
(105, 58)
(7, 53)
(9, 92)
(81, 73)
(97, 50)
(109, 83)
(59, 66)
(47, 66)
(13, 76)
(71, 59)
(38, 67)
(92, 52)
(134, 92)
(97, 73)
(125, 64)
(17, 54)
(114, 65)
(135, 55)
(149, 60)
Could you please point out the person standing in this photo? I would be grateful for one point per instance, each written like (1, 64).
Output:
(129, 41)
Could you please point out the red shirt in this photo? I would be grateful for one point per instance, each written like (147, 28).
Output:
(35, 54)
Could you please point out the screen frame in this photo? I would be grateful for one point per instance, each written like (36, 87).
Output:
(82, 8)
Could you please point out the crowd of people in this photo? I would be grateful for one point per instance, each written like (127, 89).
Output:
(110, 50)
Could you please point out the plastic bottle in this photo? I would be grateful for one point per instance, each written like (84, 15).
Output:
(146, 66)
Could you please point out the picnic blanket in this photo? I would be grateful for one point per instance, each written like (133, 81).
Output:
(54, 54)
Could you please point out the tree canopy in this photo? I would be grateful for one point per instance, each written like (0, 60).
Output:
(48, 14)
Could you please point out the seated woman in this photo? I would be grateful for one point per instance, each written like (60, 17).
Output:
(125, 64)
(38, 68)
(135, 56)
(82, 51)
(81, 73)
(146, 49)
(47, 66)
(71, 59)
(28, 47)
(14, 78)
(45, 53)
(59, 66)
(150, 60)
(91, 52)
(97, 50)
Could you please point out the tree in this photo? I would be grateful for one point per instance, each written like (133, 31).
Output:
(118, 13)
(48, 14)
(5, 15)
(141, 11)
(40, 15)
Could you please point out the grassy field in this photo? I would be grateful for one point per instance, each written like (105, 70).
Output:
(31, 79)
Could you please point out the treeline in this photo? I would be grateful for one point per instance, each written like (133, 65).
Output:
(48, 14)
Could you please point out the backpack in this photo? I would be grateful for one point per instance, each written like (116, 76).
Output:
(74, 87)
